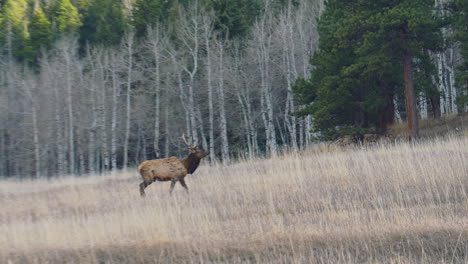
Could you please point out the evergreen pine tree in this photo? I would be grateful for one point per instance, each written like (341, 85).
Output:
(461, 35)
(40, 31)
(104, 22)
(234, 17)
(14, 35)
(66, 17)
(367, 54)
(146, 13)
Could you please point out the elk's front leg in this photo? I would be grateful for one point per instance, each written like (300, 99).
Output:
(182, 182)
(173, 182)
(143, 185)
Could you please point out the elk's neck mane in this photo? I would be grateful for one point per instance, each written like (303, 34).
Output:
(191, 163)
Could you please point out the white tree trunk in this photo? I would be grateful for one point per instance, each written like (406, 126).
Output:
(222, 109)
(102, 114)
(71, 134)
(129, 52)
(92, 130)
(207, 30)
(30, 92)
(167, 141)
(157, 44)
(115, 103)
(189, 34)
(263, 34)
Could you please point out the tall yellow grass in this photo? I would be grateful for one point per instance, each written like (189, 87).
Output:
(404, 203)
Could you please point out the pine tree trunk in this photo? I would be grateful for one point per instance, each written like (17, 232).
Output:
(410, 100)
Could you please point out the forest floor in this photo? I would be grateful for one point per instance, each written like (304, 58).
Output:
(403, 203)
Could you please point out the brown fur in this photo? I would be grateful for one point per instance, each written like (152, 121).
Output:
(170, 169)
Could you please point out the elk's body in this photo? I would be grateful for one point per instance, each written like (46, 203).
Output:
(162, 169)
(170, 169)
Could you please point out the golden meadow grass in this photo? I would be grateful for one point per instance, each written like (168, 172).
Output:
(386, 204)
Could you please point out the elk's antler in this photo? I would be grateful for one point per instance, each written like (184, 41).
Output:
(186, 141)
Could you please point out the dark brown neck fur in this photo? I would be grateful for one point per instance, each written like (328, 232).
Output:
(191, 163)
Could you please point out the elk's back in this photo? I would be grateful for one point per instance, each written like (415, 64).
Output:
(162, 169)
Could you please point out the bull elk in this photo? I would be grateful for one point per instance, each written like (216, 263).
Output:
(171, 169)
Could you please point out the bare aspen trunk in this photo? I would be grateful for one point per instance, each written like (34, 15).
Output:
(3, 155)
(129, 50)
(80, 150)
(37, 157)
(246, 124)
(102, 116)
(157, 107)
(204, 142)
(451, 77)
(291, 74)
(309, 43)
(93, 128)
(191, 110)
(445, 62)
(30, 91)
(115, 91)
(264, 37)
(271, 125)
(58, 134)
(244, 101)
(71, 134)
(182, 96)
(58, 125)
(210, 96)
(189, 34)
(222, 110)
(289, 108)
(155, 44)
(166, 128)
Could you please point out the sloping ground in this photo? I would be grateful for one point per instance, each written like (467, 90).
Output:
(450, 124)
(404, 203)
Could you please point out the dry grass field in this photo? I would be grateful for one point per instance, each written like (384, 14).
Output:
(404, 203)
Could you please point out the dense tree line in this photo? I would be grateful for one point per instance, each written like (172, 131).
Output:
(90, 86)
(88, 105)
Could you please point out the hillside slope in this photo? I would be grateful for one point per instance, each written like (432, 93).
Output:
(448, 124)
